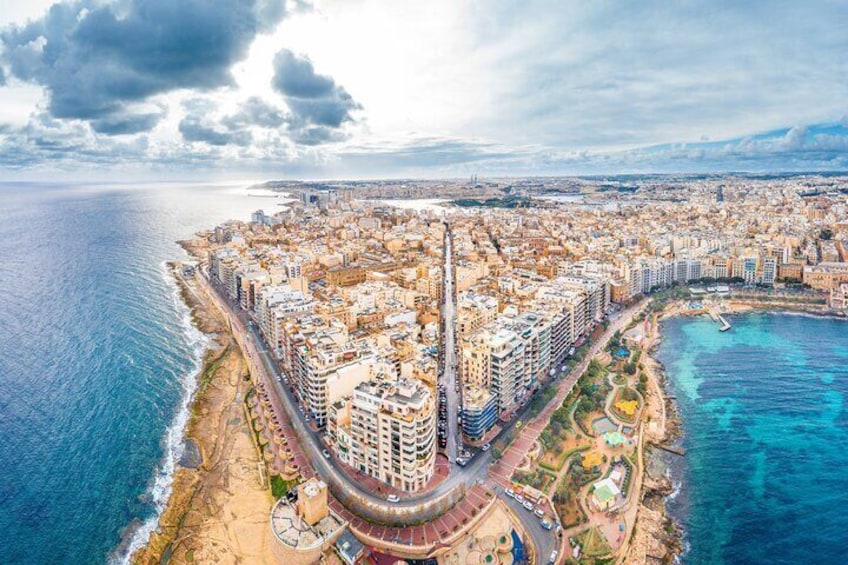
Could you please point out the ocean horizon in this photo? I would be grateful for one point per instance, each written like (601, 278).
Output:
(764, 420)
(98, 358)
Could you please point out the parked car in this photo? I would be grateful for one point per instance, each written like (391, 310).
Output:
(553, 558)
(510, 493)
(326, 454)
(393, 498)
(528, 506)
(519, 498)
(539, 513)
(487, 447)
(547, 525)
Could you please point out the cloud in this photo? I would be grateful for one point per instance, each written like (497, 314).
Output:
(126, 124)
(199, 125)
(314, 99)
(96, 61)
(257, 112)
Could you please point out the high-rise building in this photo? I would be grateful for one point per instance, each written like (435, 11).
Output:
(387, 430)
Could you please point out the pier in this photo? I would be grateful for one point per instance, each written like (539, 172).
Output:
(671, 449)
(724, 324)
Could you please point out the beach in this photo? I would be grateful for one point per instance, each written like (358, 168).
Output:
(219, 505)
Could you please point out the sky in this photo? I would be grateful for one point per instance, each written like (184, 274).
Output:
(401, 88)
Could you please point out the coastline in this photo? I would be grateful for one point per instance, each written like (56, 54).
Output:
(657, 536)
(219, 503)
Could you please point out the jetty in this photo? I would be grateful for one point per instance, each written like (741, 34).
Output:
(724, 324)
(672, 449)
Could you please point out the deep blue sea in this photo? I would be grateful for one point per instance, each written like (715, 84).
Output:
(97, 360)
(765, 477)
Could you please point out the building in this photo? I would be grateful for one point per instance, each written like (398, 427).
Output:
(826, 276)
(388, 430)
(479, 411)
(312, 501)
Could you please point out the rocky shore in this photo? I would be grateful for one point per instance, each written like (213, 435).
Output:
(219, 503)
(656, 537)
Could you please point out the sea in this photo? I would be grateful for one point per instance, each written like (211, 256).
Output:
(765, 429)
(98, 359)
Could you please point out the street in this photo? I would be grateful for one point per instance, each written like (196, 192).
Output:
(449, 377)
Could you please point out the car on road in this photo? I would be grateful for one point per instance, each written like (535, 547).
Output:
(325, 453)
(487, 447)
(461, 461)
(539, 513)
(528, 506)
(547, 525)
(510, 493)
(554, 555)
(519, 499)
(393, 498)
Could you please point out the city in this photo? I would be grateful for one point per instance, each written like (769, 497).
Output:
(411, 350)
(368, 282)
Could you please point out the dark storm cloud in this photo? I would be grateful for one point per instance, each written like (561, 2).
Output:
(314, 99)
(96, 60)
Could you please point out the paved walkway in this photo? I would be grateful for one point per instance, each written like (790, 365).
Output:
(502, 471)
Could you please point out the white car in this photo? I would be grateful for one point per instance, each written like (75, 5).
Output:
(393, 498)
(519, 499)
(487, 447)
(528, 506)
(554, 555)
(510, 493)
(326, 454)
(539, 513)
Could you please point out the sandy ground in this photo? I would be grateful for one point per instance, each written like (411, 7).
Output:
(219, 512)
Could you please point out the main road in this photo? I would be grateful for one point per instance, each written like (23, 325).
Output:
(449, 374)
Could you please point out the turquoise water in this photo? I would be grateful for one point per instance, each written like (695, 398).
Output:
(765, 477)
(97, 361)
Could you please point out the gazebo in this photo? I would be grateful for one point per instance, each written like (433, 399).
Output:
(614, 439)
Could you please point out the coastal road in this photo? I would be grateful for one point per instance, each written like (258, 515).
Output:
(545, 541)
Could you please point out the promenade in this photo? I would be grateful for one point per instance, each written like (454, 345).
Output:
(502, 470)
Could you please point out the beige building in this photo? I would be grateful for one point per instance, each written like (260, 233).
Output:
(387, 430)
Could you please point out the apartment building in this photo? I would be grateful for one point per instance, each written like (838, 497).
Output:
(387, 430)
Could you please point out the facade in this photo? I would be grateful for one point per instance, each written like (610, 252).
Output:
(479, 412)
(387, 430)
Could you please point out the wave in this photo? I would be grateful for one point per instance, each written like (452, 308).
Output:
(676, 487)
(138, 534)
(812, 315)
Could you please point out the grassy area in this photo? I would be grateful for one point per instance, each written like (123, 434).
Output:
(594, 543)
(556, 466)
(280, 487)
(567, 506)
